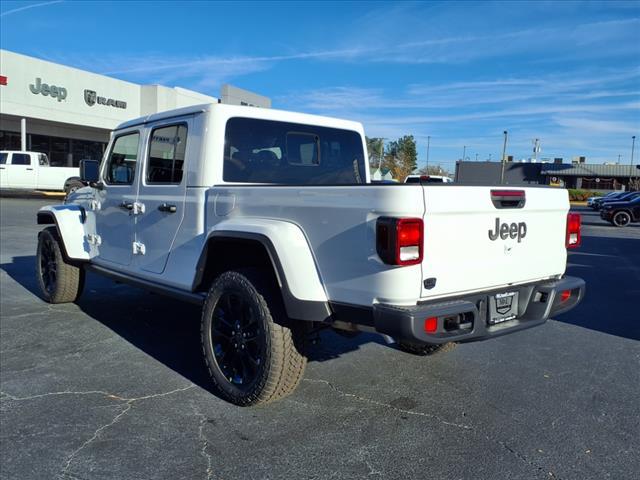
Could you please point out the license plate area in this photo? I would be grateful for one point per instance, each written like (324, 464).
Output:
(502, 307)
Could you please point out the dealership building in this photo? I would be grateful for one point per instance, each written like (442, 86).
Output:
(69, 113)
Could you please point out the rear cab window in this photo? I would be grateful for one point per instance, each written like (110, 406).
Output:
(284, 153)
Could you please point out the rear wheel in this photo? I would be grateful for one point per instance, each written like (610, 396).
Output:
(59, 280)
(621, 219)
(254, 354)
(425, 350)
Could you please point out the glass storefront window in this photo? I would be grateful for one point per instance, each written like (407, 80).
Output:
(62, 152)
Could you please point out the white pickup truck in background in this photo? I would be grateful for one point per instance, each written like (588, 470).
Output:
(269, 221)
(21, 170)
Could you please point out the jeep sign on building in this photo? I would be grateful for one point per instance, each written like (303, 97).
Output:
(69, 113)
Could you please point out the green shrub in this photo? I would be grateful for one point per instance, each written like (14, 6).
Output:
(578, 195)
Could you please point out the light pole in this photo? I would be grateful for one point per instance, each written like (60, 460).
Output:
(504, 153)
(428, 143)
(381, 154)
(476, 157)
(464, 152)
(633, 145)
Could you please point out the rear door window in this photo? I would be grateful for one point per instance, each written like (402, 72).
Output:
(3, 158)
(21, 159)
(283, 153)
(165, 164)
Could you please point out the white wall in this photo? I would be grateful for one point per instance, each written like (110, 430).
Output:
(16, 97)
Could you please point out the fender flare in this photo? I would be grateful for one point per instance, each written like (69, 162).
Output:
(291, 258)
(69, 221)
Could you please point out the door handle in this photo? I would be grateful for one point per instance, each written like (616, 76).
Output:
(165, 207)
(126, 205)
(29, 168)
(1, 168)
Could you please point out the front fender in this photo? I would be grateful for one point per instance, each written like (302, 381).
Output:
(70, 221)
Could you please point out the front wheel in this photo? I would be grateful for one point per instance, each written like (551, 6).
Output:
(254, 354)
(59, 280)
(621, 219)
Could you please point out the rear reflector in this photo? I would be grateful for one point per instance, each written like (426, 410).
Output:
(573, 238)
(564, 296)
(431, 324)
(507, 193)
(399, 240)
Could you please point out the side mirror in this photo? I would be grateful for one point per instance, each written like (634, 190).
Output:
(89, 171)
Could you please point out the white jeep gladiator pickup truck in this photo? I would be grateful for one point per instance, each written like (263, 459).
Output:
(21, 170)
(268, 220)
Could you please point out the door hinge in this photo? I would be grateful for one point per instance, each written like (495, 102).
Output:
(94, 239)
(138, 208)
(138, 248)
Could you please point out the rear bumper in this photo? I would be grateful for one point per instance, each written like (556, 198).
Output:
(465, 319)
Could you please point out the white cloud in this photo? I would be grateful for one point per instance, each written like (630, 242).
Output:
(27, 7)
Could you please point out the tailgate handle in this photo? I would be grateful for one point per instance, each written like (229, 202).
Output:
(508, 198)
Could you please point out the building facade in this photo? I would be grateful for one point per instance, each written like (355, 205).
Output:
(589, 176)
(69, 113)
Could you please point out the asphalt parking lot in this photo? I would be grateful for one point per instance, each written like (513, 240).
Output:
(114, 387)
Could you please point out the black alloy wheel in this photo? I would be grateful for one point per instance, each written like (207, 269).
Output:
(621, 219)
(253, 352)
(48, 265)
(238, 345)
(60, 279)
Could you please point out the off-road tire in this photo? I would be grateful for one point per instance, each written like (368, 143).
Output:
(282, 367)
(425, 350)
(621, 219)
(65, 283)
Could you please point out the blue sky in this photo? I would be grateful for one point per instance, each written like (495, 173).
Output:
(459, 72)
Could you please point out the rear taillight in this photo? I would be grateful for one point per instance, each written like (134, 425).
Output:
(573, 238)
(399, 240)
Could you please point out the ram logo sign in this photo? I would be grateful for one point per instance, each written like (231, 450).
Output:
(91, 98)
(505, 230)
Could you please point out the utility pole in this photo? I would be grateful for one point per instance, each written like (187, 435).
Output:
(504, 157)
(476, 157)
(381, 155)
(428, 142)
(536, 147)
(619, 159)
(464, 152)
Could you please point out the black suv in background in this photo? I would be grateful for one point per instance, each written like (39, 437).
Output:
(622, 213)
(621, 197)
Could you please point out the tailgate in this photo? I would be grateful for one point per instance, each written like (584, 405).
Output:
(464, 253)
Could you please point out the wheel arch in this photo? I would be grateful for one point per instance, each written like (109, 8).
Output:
(228, 248)
(69, 223)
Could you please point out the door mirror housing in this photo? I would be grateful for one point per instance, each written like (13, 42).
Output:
(89, 171)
